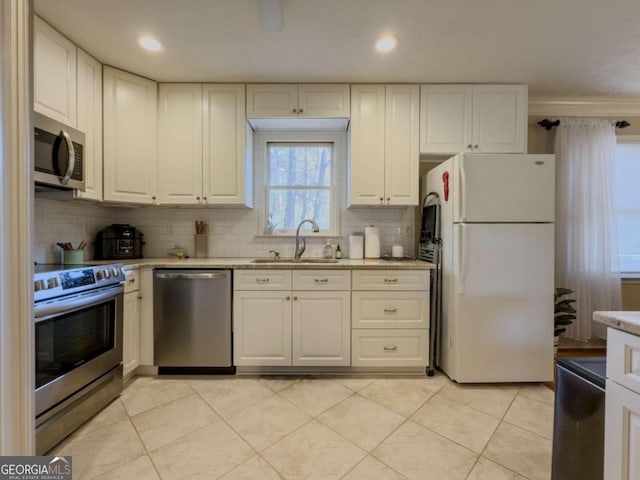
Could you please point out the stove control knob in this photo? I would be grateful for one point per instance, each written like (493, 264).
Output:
(52, 283)
(100, 275)
(107, 273)
(114, 272)
(39, 285)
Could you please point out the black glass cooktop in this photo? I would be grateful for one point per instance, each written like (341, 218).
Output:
(56, 267)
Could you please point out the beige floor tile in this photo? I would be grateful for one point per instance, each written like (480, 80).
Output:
(111, 414)
(531, 415)
(314, 396)
(524, 452)
(402, 395)
(102, 450)
(485, 469)
(363, 421)
(139, 469)
(229, 395)
(354, 383)
(539, 393)
(208, 453)
(466, 426)
(267, 421)
(313, 452)
(275, 384)
(372, 469)
(145, 393)
(254, 469)
(420, 454)
(168, 422)
(491, 399)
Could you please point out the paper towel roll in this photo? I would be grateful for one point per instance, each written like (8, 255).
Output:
(356, 246)
(371, 242)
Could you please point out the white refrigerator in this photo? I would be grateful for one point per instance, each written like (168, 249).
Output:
(497, 214)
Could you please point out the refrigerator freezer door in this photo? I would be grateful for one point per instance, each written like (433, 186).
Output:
(503, 302)
(504, 188)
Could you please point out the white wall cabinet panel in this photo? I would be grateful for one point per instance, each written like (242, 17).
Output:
(272, 101)
(89, 121)
(445, 118)
(130, 109)
(180, 143)
(384, 145)
(54, 77)
(323, 101)
(227, 153)
(321, 328)
(292, 101)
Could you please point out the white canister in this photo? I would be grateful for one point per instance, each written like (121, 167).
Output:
(356, 246)
(371, 242)
(397, 251)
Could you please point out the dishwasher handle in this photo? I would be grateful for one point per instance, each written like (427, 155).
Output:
(192, 276)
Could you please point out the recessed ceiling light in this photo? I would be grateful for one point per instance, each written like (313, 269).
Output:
(386, 43)
(149, 43)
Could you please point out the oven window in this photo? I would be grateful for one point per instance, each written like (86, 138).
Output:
(68, 341)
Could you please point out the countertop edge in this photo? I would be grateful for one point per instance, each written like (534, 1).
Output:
(626, 321)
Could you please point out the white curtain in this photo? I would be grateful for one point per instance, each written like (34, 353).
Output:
(586, 243)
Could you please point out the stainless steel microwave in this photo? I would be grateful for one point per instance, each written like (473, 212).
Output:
(58, 154)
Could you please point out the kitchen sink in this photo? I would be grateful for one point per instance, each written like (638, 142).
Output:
(294, 260)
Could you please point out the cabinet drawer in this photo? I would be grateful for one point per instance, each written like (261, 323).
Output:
(391, 280)
(321, 280)
(131, 280)
(390, 310)
(262, 280)
(623, 359)
(389, 347)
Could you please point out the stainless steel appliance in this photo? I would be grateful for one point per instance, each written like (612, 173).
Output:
(119, 241)
(192, 321)
(578, 427)
(58, 154)
(78, 342)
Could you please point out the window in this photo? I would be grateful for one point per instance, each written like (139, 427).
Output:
(628, 205)
(299, 172)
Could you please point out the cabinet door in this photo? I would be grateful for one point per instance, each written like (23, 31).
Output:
(130, 107)
(323, 101)
(54, 74)
(272, 101)
(401, 176)
(622, 433)
(321, 328)
(227, 168)
(500, 118)
(131, 333)
(261, 328)
(180, 143)
(445, 119)
(90, 122)
(366, 174)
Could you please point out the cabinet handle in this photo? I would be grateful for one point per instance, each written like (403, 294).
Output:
(287, 298)
(321, 280)
(204, 199)
(139, 297)
(293, 111)
(475, 146)
(381, 199)
(390, 280)
(469, 146)
(295, 298)
(198, 198)
(391, 349)
(300, 111)
(262, 280)
(390, 310)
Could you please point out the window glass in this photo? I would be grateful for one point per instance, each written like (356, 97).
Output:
(628, 206)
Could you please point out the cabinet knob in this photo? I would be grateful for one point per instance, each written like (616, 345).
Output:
(382, 199)
(300, 111)
(139, 297)
(295, 298)
(475, 146)
(293, 111)
(204, 199)
(287, 298)
(469, 146)
(198, 198)
(388, 199)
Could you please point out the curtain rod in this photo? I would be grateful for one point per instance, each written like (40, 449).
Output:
(549, 124)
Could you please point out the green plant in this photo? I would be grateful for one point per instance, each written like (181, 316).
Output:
(564, 313)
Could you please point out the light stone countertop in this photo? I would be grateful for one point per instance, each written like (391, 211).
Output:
(626, 321)
(247, 263)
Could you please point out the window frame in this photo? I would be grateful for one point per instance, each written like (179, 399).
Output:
(622, 140)
(262, 139)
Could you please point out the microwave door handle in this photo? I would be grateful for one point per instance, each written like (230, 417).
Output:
(72, 158)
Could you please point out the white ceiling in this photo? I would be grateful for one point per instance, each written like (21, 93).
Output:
(558, 47)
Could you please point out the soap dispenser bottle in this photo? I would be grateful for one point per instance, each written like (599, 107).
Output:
(327, 251)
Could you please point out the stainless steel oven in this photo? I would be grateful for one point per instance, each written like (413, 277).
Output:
(78, 344)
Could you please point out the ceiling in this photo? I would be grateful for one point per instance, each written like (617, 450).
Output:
(561, 48)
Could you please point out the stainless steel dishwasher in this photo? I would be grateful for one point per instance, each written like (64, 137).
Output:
(192, 321)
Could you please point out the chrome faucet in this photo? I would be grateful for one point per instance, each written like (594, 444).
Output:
(300, 249)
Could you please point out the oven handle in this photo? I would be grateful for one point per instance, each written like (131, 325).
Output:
(191, 276)
(72, 158)
(69, 305)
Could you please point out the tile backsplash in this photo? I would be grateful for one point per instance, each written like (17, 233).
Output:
(232, 231)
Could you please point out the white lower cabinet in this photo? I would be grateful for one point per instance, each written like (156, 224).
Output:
(131, 323)
(275, 325)
(389, 347)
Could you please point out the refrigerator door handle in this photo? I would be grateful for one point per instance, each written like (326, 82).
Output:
(460, 192)
(462, 247)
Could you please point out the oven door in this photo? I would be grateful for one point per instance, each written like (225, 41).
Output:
(78, 338)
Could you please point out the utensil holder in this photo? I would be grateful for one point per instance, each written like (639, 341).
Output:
(71, 257)
(201, 245)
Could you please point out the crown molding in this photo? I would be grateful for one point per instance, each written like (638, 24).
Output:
(586, 106)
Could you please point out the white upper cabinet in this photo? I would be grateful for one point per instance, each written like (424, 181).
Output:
(384, 145)
(204, 150)
(54, 79)
(89, 118)
(130, 109)
(473, 118)
(292, 101)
